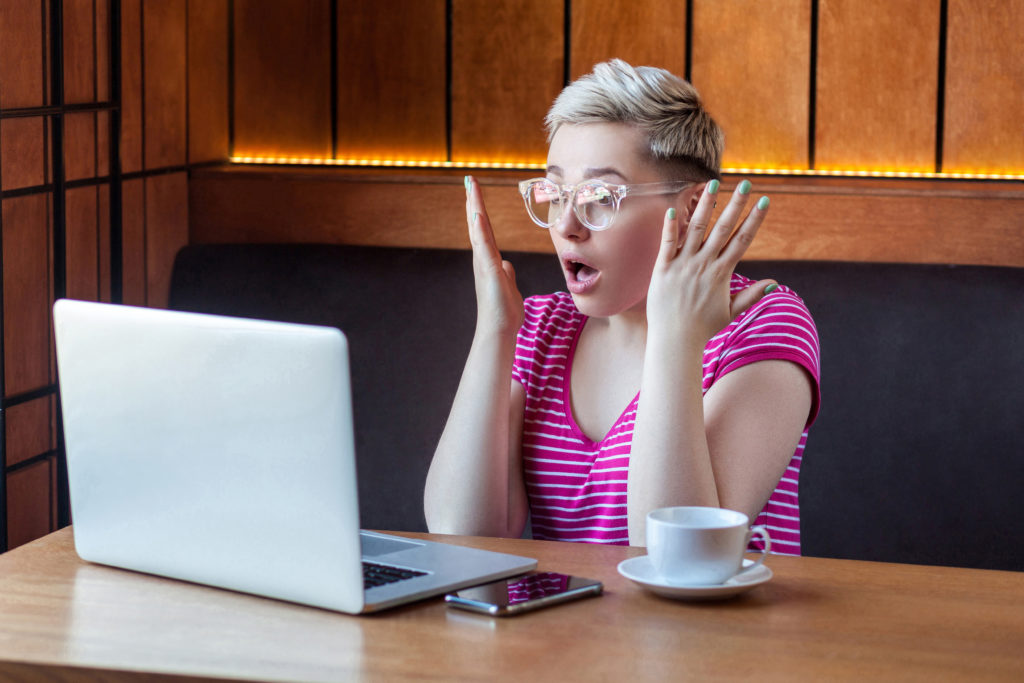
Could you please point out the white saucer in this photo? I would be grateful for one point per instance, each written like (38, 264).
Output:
(640, 571)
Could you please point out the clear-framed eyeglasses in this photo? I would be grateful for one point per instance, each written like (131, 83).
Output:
(595, 202)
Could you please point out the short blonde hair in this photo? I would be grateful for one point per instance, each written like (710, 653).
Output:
(680, 132)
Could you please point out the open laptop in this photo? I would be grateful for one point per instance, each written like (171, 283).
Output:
(220, 450)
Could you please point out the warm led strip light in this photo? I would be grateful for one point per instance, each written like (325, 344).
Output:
(523, 166)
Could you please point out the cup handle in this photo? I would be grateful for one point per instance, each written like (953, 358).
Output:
(763, 533)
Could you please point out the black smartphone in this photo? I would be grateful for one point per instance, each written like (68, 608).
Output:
(523, 593)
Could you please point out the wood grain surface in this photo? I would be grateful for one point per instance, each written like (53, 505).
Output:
(817, 619)
(751, 66)
(810, 218)
(506, 71)
(391, 80)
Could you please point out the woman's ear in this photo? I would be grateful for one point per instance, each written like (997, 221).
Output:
(691, 199)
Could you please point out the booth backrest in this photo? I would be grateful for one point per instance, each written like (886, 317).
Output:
(917, 455)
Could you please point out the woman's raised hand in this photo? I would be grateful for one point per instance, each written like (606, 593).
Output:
(499, 304)
(689, 290)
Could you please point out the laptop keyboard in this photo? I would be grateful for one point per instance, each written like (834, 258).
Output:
(381, 574)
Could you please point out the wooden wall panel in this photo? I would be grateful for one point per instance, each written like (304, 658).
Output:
(984, 113)
(102, 143)
(165, 117)
(391, 80)
(29, 429)
(642, 32)
(27, 293)
(811, 218)
(79, 146)
(131, 86)
(22, 69)
(166, 232)
(79, 52)
(133, 242)
(207, 80)
(878, 94)
(507, 70)
(282, 78)
(82, 243)
(29, 503)
(102, 43)
(23, 152)
(103, 235)
(751, 65)
(306, 206)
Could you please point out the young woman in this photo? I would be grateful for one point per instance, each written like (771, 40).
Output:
(661, 378)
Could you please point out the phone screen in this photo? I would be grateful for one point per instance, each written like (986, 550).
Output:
(523, 593)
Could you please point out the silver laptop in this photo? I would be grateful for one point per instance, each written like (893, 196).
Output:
(220, 450)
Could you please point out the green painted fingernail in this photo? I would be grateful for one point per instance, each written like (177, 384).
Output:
(745, 187)
(465, 181)
(672, 214)
(713, 187)
(771, 288)
(762, 203)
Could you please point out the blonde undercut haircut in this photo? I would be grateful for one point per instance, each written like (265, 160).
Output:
(681, 134)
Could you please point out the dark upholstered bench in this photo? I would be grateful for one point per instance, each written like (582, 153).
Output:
(917, 456)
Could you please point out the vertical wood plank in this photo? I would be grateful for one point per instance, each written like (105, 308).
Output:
(507, 69)
(751, 65)
(877, 93)
(163, 91)
(391, 80)
(102, 143)
(82, 243)
(29, 429)
(29, 503)
(642, 32)
(22, 152)
(131, 86)
(27, 293)
(22, 76)
(79, 146)
(103, 234)
(984, 117)
(282, 78)
(102, 43)
(133, 242)
(79, 52)
(207, 80)
(166, 232)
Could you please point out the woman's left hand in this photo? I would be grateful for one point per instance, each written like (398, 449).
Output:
(689, 296)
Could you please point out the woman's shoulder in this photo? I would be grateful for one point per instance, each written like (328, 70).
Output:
(782, 297)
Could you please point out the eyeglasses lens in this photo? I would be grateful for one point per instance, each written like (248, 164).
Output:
(594, 201)
(594, 204)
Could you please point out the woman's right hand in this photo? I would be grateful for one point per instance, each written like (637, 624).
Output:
(499, 304)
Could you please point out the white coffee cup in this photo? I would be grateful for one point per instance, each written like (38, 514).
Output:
(697, 546)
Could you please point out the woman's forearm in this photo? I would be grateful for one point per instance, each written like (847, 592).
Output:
(471, 487)
(670, 463)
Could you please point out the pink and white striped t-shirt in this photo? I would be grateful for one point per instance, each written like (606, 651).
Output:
(576, 486)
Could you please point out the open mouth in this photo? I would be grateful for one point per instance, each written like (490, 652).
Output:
(579, 275)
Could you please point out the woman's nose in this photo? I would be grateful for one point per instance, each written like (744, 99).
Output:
(569, 227)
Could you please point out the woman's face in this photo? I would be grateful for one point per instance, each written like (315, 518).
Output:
(608, 272)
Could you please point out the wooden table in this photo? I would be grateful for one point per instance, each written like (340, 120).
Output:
(816, 619)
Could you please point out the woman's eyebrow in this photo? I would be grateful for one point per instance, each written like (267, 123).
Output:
(601, 172)
(589, 172)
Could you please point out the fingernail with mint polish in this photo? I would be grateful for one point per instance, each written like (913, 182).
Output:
(465, 181)
(713, 187)
(672, 214)
(745, 187)
(762, 203)
(771, 288)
